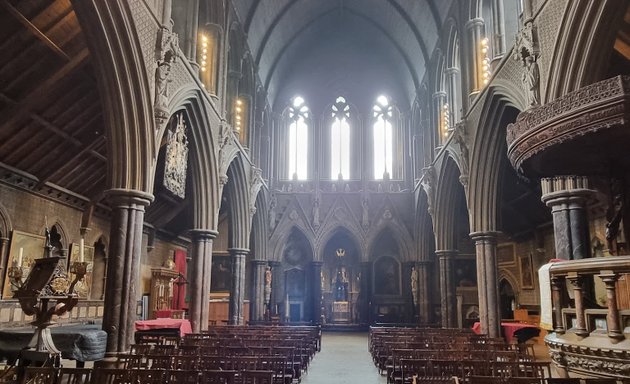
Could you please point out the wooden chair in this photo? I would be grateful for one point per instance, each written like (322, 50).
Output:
(75, 375)
(9, 375)
(110, 376)
(504, 380)
(182, 377)
(148, 376)
(563, 380)
(217, 377)
(185, 363)
(159, 362)
(256, 377)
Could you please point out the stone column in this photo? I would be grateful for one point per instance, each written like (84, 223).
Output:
(199, 277)
(257, 306)
(567, 197)
(237, 293)
(316, 288)
(276, 287)
(425, 315)
(487, 282)
(452, 80)
(123, 267)
(475, 29)
(447, 290)
(3, 261)
(615, 330)
(232, 93)
(577, 282)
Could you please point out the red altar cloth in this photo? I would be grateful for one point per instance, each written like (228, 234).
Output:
(509, 330)
(182, 324)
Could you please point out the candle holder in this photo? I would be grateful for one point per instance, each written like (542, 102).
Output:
(79, 269)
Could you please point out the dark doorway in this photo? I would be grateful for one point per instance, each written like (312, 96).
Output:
(507, 299)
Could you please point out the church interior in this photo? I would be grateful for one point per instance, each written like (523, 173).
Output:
(193, 172)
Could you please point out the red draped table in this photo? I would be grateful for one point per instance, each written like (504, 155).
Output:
(181, 325)
(522, 332)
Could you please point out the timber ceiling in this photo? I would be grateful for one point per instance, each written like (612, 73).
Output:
(289, 39)
(52, 122)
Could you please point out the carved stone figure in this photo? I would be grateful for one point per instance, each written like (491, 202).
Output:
(254, 188)
(365, 219)
(166, 54)
(531, 80)
(428, 182)
(316, 212)
(272, 212)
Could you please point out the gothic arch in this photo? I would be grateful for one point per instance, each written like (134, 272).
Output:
(259, 238)
(203, 163)
(281, 244)
(448, 187)
(425, 237)
(398, 233)
(339, 228)
(5, 222)
(61, 230)
(123, 81)
(487, 149)
(237, 189)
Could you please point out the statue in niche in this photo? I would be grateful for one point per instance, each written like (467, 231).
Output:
(166, 54)
(461, 138)
(531, 80)
(428, 181)
(316, 212)
(341, 277)
(414, 285)
(365, 219)
(272, 212)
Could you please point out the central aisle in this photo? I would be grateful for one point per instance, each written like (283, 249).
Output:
(344, 359)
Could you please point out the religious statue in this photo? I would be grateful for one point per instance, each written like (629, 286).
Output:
(531, 80)
(272, 211)
(365, 219)
(162, 74)
(414, 285)
(316, 212)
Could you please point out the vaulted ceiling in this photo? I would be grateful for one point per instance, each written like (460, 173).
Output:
(315, 45)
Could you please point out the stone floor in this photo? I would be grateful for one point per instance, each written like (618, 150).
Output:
(344, 359)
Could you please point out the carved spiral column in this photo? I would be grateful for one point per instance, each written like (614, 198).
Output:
(567, 196)
(447, 289)
(123, 268)
(237, 293)
(199, 274)
(257, 307)
(487, 282)
(615, 330)
(316, 287)
(577, 282)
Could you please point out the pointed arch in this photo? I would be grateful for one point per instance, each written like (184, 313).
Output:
(237, 192)
(332, 232)
(447, 191)
(399, 233)
(281, 244)
(424, 235)
(5, 222)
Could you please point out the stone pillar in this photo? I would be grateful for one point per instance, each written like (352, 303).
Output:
(3, 261)
(615, 330)
(199, 277)
(498, 18)
(425, 315)
(447, 289)
(487, 282)
(276, 287)
(123, 267)
(232, 90)
(316, 288)
(577, 282)
(475, 34)
(567, 197)
(237, 293)
(257, 306)
(452, 80)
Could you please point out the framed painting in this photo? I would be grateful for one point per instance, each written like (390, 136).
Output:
(221, 275)
(25, 248)
(84, 286)
(505, 253)
(527, 272)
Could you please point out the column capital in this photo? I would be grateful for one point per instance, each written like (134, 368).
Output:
(238, 251)
(274, 263)
(439, 94)
(4, 239)
(259, 262)
(122, 197)
(480, 236)
(203, 234)
(609, 278)
(558, 189)
(476, 22)
(446, 253)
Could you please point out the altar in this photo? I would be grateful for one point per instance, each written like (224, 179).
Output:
(341, 312)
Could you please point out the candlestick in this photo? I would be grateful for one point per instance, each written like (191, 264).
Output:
(82, 250)
(20, 255)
